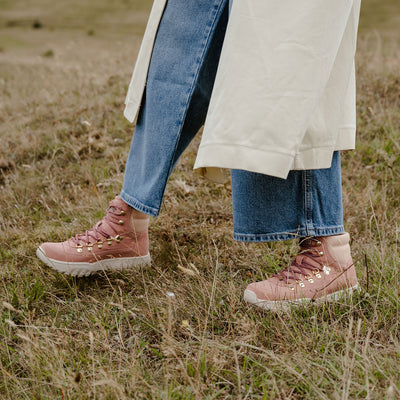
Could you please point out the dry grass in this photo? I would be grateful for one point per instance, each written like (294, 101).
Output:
(120, 336)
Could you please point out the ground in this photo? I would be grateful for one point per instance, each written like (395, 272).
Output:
(64, 71)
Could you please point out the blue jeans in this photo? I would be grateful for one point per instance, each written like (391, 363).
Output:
(179, 85)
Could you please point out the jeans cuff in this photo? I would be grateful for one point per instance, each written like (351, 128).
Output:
(137, 205)
(288, 235)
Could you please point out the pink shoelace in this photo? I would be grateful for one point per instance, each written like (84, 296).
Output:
(104, 229)
(306, 262)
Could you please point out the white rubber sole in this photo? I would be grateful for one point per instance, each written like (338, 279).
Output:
(85, 269)
(285, 305)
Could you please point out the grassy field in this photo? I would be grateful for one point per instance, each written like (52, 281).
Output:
(64, 70)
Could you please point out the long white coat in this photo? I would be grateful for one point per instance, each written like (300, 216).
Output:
(284, 94)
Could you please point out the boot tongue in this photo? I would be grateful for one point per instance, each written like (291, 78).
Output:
(309, 242)
(117, 204)
(302, 265)
(307, 260)
(104, 227)
(100, 231)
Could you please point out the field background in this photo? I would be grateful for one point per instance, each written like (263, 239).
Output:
(64, 70)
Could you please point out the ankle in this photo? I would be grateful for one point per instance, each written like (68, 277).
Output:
(139, 221)
(339, 248)
(136, 214)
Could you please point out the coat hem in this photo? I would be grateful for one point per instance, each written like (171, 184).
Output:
(131, 111)
(239, 157)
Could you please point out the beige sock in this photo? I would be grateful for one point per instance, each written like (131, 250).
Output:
(140, 221)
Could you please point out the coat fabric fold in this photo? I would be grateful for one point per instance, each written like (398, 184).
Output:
(284, 94)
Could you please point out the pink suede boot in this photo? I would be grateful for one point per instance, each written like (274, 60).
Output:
(323, 270)
(117, 242)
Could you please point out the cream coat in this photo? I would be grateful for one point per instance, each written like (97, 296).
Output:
(284, 94)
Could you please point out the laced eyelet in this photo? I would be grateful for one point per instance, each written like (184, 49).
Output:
(118, 238)
(109, 241)
(320, 253)
(89, 246)
(317, 273)
(309, 278)
(99, 245)
(79, 248)
(300, 283)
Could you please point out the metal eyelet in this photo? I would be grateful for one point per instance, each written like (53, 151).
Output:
(122, 212)
(120, 222)
(99, 245)
(291, 287)
(326, 270)
(300, 283)
(79, 248)
(309, 278)
(317, 273)
(109, 241)
(89, 246)
(320, 253)
(118, 238)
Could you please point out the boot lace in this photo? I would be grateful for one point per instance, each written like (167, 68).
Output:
(306, 264)
(107, 228)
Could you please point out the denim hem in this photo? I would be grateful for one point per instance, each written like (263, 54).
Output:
(288, 235)
(137, 205)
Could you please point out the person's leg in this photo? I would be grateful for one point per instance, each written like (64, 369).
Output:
(179, 84)
(180, 80)
(308, 204)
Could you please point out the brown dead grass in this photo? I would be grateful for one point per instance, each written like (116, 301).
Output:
(121, 336)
